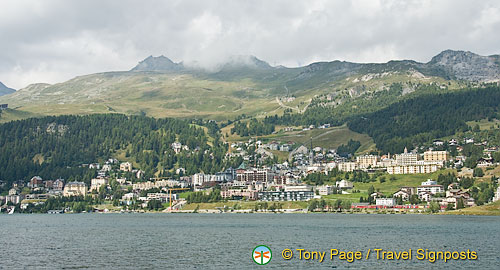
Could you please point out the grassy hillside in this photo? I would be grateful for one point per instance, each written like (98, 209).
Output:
(14, 114)
(491, 209)
(326, 138)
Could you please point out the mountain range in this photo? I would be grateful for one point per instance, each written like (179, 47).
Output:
(159, 87)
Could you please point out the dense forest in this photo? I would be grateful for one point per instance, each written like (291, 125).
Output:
(252, 128)
(54, 147)
(425, 118)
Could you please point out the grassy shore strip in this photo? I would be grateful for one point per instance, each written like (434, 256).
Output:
(491, 209)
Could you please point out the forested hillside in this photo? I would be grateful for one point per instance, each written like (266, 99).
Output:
(425, 118)
(55, 147)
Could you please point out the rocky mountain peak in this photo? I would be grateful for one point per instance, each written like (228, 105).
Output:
(158, 63)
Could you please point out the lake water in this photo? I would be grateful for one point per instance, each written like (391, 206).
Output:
(226, 241)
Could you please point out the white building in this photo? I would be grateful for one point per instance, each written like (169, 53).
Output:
(431, 187)
(366, 161)
(413, 169)
(406, 158)
(325, 190)
(497, 195)
(106, 168)
(297, 188)
(200, 178)
(429, 182)
(96, 183)
(126, 166)
(344, 184)
(388, 202)
(163, 197)
(348, 166)
(405, 196)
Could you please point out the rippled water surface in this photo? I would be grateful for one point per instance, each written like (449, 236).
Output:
(226, 241)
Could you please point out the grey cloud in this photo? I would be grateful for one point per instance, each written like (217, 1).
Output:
(52, 41)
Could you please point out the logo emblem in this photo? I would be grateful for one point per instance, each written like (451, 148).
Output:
(262, 255)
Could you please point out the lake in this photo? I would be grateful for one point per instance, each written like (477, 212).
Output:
(226, 241)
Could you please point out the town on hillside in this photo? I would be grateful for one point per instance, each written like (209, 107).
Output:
(433, 178)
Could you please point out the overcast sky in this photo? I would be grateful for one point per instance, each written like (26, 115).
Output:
(53, 41)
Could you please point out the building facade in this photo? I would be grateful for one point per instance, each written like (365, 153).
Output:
(75, 189)
(285, 195)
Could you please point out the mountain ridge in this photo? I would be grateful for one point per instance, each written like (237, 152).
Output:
(244, 84)
(454, 64)
(4, 90)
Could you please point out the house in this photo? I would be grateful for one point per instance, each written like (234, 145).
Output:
(177, 146)
(405, 196)
(438, 142)
(409, 190)
(36, 181)
(4, 106)
(468, 140)
(344, 184)
(387, 202)
(425, 196)
(96, 166)
(455, 195)
(58, 184)
(377, 195)
(325, 190)
(49, 184)
(433, 189)
(129, 198)
(15, 199)
(96, 183)
(285, 148)
(485, 162)
(126, 166)
(75, 189)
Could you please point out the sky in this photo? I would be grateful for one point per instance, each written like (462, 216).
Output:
(52, 41)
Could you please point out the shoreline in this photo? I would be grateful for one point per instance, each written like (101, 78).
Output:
(210, 211)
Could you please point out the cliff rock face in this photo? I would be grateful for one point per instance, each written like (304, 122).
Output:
(467, 65)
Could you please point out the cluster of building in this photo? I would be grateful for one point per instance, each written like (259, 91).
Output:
(404, 163)
(276, 182)
(428, 191)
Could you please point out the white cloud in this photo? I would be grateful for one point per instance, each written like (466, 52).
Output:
(55, 40)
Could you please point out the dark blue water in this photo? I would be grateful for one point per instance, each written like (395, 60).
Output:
(226, 241)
